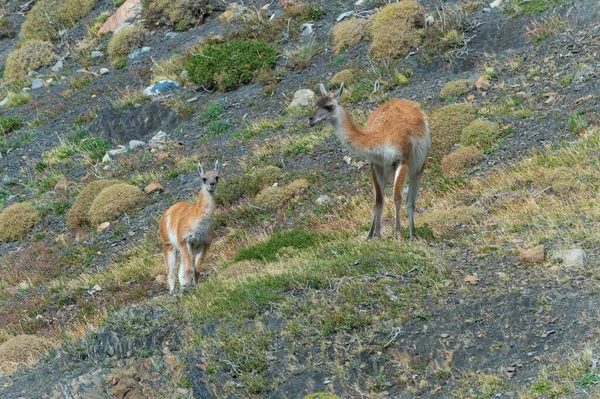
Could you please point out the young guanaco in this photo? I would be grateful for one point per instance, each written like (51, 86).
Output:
(396, 142)
(186, 228)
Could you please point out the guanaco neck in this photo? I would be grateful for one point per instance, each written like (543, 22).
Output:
(346, 130)
(205, 200)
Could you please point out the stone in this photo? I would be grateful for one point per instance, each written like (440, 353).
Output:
(23, 285)
(496, 3)
(184, 75)
(120, 150)
(234, 13)
(31, 74)
(3, 102)
(158, 141)
(323, 199)
(136, 144)
(307, 29)
(96, 54)
(62, 185)
(429, 21)
(127, 388)
(344, 15)
(126, 11)
(37, 84)
(133, 123)
(161, 87)
(104, 71)
(171, 35)
(486, 9)
(160, 279)
(571, 257)
(302, 98)
(533, 255)
(359, 2)
(153, 187)
(138, 51)
(482, 83)
(57, 67)
(102, 227)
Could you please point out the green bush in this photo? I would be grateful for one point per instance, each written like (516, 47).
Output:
(268, 250)
(180, 14)
(480, 133)
(124, 41)
(30, 56)
(457, 162)
(8, 124)
(249, 183)
(230, 64)
(397, 28)
(17, 220)
(455, 88)
(113, 201)
(48, 17)
(447, 123)
(78, 214)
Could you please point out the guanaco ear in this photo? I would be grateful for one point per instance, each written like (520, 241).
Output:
(323, 91)
(217, 166)
(339, 93)
(200, 169)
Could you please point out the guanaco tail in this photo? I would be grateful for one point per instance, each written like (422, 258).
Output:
(186, 229)
(396, 142)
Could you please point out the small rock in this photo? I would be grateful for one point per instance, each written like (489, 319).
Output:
(37, 84)
(471, 279)
(160, 279)
(62, 185)
(121, 150)
(495, 3)
(3, 102)
(486, 9)
(347, 159)
(551, 101)
(102, 227)
(171, 35)
(138, 51)
(23, 285)
(572, 257)
(97, 288)
(302, 98)
(359, 2)
(57, 67)
(430, 20)
(444, 335)
(482, 83)
(234, 13)
(191, 100)
(96, 54)
(31, 74)
(184, 75)
(106, 158)
(533, 255)
(104, 71)
(323, 199)
(344, 15)
(307, 29)
(471, 97)
(135, 144)
(327, 381)
(158, 141)
(160, 87)
(153, 187)
(522, 94)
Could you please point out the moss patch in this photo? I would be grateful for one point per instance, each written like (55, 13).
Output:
(78, 215)
(447, 123)
(457, 162)
(124, 41)
(22, 350)
(113, 201)
(32, 55)
(480, 133)
(397, 28)
(455, 88)
(274, 197)
(17, 220)
(349, 32)
(231, 64)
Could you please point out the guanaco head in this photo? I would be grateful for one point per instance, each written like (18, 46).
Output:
(327, 106)
(210, 178)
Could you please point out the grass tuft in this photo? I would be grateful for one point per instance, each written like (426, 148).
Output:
(22, 350)
(275, 196)
(77, 217)
(30, 56)
(397, 28)
(447, 123)
(9, 124)
(124, 41)
(350, 32)
(17, 220)
(480, 133)
(459, 161)
(113, 201)
(455, 88)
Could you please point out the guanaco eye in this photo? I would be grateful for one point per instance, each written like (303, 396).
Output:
(204, 179)
(217, 178)
(329, 108)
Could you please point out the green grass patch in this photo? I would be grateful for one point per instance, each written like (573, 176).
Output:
(8, 124)
(270, 250)
(524, 7)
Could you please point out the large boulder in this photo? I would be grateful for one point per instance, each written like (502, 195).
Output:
(133, 123)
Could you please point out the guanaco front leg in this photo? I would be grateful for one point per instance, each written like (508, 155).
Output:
(399, 177)
(378, 178)
(185, 269)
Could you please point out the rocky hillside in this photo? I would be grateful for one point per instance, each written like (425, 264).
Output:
(108, 107)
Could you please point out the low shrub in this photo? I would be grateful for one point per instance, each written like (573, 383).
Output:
(275, 196)
(230, 64)
(8, 124)
(22, 350)
(455, 88)
(346, 76)
(30, 56)
(48, 17)
(397, 28)
(14, 100)
(113, 201)
(124, 41)
(249, 183)
(78, 215)
(480, 133)
(459, 161)
(180, 14)
(447, 123)
(350, 32)
(16, 221)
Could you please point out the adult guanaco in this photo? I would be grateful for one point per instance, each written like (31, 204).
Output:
(396, 142)
(186, 228)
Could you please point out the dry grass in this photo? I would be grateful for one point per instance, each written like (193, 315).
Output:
(350, 32)
(113, 201)
(78, 215)
(124, 41)
(455, 88)
(346, 76)
(453, 221)
(538, 31)
(480, 133)
(22, 350)
(275, 196)
(397, 28)
(17, 220)
(30, 56)
(169, 69)
(47, 18)
(447, 124)
(459, 161)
